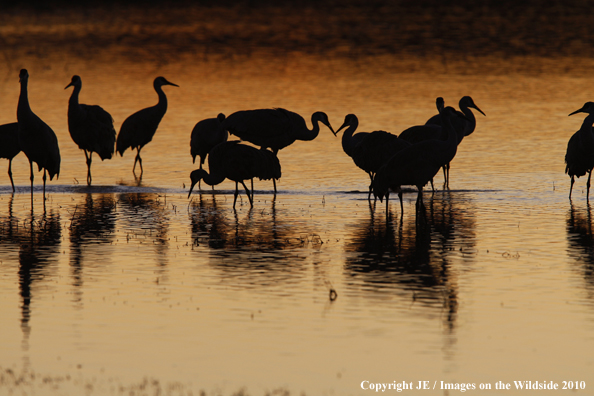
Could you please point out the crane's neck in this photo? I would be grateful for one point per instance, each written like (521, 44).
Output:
(23, 105)
(162, 104)
(348, 143)
(471, 123)
(74, 97)
(308, 134)
(586, 134)
(213, 178)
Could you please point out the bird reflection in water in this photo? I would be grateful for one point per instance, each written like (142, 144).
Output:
(581, 243)
(145, 217)
(38, 242)
(255, 249)
(92, 222)
(413, 258)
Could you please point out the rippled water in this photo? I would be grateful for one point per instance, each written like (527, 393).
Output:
(129, 287)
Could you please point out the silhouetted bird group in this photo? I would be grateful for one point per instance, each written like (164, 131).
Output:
(411, 158)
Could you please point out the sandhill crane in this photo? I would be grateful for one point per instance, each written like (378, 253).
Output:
(9, 145)
(37, 140)
(139, 128)
(369, 150)
(91, 127)
(237, 162)
(416, 165)
(274, 128)
(580, 149)
(206, 135)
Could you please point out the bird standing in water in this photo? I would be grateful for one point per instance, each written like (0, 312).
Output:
(139, 128)
(205, 136)
(237, 162)
(274, 128)
(369, 150)
(91, 127)
(416, 165)
(37, 140)
(580, 149)
(9, 145)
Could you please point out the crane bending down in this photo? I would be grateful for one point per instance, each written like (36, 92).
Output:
(9, 145)
(580, 149)
(37, 140)
(274, 128)
(90, 127)
(139, 128)
(369, 150)
(417, 164)
(237, 162)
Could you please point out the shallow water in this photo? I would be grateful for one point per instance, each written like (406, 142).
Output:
(130, 287)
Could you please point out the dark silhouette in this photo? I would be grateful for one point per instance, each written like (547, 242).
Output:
(417, 164)
(369, 150)
(206, 135)
(274, 128)
(237, 162)
(37, 140)
(580, 149)
(9, 145)
(91, 127)
(139, 128)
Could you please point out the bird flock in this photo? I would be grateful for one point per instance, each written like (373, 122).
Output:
(411, 158)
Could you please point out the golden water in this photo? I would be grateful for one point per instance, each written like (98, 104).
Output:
(126, 287)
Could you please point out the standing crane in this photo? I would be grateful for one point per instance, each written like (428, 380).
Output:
(274, 128)
(205, 136)
(9, 145)
(139, 128)
(580, 149)
(369, 150)
(237, 162)
(417, 165)
(91, 127)
(37, 140)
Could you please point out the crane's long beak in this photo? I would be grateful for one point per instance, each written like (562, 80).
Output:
(480, 111)
(577, 111)
(69, 85)
(346, 124)
(191, 188)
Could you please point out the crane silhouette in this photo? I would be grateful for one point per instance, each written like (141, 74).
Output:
(206, 135)
(9, 145)
(91, 127)
(139, 128)
(37, 140)
(417, 165)
(580, 149)
(274, 128)
(464, 125)
(369, 150)
(237, 162)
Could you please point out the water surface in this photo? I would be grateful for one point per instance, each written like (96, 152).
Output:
(129, 286)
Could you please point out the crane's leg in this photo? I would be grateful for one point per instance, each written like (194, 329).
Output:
(571, 186)
(246, 190)
(44, 179)
(448, 165)
(89, 160)
(235, 196)
(31, 177)
(139, 161)
(401, 205)
(588, 185)
(432, 186)
(250, 196)
(273, 183)
(445, 175)
(387, 206)
(10, 173)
